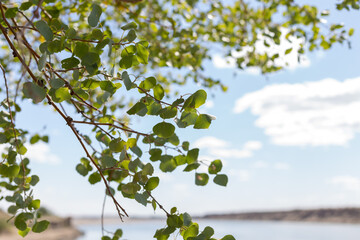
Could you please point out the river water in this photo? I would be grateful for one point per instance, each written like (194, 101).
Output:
(241, 230)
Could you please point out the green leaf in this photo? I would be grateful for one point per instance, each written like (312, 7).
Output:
(142, 53)
(20, 220)
(177, 102)
(195, 100)
(148, 83)
(168, 166)
(127, 81)
(207, 232)
(202, 122)
(25, 232)
(131, 36)
(221, 179)
(35, 204)
(185, 145)
(108, 161)
(42, 61)
(44, 30)
(130, 188)
(62, 94)
(118, 233)
(154, 108)
(164, 129)
(11, 12)
(128, 51)
(20, 223)
(199, 98)
(97, 34)
(187, 118)
(90, 84)
(148, 169)
(69, 63)
(127, 62)
(139, 108)
(155, 154)
(191, 167)
(180, 160)
(174, 140)
(136, 150)
(21, 149)
(117, 145)
(25, 6)
(81, 49)
(33, 91)
(142, 198)
(158, 92)
(174, 221)
(228, 237)
(152, 183)
(81, 93)
(90, 58)
(94, 16)
(201, 179)
(287, 51)
(3, 138)
(108, 86)
(94, 178)
(34, 180)
(40, 226)
(187, 219)
(12, 171)
(168, 112)
(351, 32)
(191, 232)
(81, 169)
(55, 46)
(56, 83)
(192, 155)
(70, 33)
(215, 166)
(129, 26)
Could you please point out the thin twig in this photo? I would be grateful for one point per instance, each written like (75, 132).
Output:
(160, 206)
(112, 125)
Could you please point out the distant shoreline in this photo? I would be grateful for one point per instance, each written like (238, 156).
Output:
(325, 215)
(321, 215)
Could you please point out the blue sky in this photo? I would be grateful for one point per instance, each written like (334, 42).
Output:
(288, 140)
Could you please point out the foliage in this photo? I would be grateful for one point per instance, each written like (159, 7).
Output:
(81, 54)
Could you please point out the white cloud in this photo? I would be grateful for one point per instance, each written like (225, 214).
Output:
(289, 61)
(208, 104)
(210, 142)
(281, 166)
(41, 153)
(318, 113)
(347, 182)
(253, 145)
(230, 153)
(219, 148)
(220, 62)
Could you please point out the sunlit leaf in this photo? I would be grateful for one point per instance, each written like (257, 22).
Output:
(164, 129)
